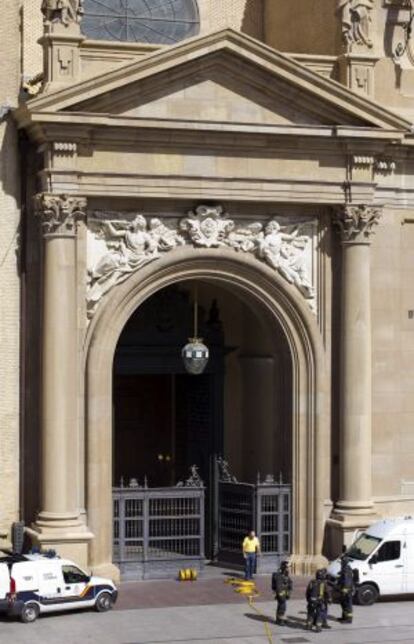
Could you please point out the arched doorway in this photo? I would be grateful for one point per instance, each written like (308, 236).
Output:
(165, 420)
(280, 306)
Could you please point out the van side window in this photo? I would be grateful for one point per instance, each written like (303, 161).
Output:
(73, 575)
(389, 550)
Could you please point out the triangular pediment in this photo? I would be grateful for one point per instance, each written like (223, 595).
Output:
(223, 77)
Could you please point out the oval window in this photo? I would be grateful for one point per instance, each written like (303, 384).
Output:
(146, 21)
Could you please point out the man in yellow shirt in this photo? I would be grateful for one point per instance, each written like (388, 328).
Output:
(251, 548)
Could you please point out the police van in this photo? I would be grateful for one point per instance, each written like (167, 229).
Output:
(383, 559)
(36, 583)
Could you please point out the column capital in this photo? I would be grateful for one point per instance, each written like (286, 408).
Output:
(355, 223)
(59, 213)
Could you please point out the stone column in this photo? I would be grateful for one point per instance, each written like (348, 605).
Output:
(58, 524)
(355, 507)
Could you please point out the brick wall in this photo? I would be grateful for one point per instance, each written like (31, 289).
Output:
(242, 15)
(32, 29)
(9, 278)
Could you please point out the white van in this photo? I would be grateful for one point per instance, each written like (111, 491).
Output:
(383, 558)
(35, 584)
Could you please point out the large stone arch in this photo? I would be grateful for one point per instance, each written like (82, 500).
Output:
(310, 390)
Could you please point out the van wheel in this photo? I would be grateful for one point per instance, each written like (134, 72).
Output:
(366, 595)
(104, 603)
(30, 613)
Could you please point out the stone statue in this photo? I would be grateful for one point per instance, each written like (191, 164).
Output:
(356, 21)
(285, 253)
(63, 11)
(130, 246)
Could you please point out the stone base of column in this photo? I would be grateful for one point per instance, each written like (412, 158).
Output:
(107, 570)
(70, 541)
(307, 564)
(342, 528)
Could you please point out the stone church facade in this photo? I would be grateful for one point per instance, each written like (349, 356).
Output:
(265, 154)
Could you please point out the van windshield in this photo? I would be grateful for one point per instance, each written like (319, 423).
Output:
(363, 547)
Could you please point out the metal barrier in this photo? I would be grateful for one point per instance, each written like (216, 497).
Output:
(158, 530)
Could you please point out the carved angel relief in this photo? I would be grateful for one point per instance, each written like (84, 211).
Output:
(128, 246)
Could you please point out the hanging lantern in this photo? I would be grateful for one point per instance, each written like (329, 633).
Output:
(195, 354)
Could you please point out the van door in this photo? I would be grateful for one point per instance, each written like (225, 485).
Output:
(408, 555)
(4, 580)
(25, 575)
(387, 567)
(75, 583)
(50, 580)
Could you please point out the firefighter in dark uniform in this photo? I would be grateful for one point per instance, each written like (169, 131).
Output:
(282, 587)
(318, 597)
(346, 589)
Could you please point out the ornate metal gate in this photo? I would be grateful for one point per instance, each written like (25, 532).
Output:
(264, 507)
(157, 531)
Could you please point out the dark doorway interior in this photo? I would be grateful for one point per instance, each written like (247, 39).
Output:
(164, 423)
(164, 419)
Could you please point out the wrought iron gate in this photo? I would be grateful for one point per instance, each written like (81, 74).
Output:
(264, 507)
(157, 531)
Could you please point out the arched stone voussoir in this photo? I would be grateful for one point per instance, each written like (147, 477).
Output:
(252, 279)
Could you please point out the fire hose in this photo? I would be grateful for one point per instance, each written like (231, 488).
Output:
(249, 590)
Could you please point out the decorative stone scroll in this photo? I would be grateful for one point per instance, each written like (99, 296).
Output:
(356, 223)
(127, 246)
(65, 12)
(356, 18)
(207, 226)
(59, 213)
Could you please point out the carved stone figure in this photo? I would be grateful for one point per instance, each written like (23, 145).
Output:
(284, 252)
(130, 245)
(207, 226)
(356, 19)
(63, 11)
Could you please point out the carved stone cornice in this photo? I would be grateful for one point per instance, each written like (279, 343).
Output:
(59, 213)
(356, 223)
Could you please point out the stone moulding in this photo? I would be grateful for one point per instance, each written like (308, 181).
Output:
(119, 247)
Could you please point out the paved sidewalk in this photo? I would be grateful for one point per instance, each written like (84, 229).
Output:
(383, 623)
(208, 611)
(206, 591)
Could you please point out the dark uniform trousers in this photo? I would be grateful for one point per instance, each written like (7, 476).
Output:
(281, 599)
(346, 604)
(346, 588)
